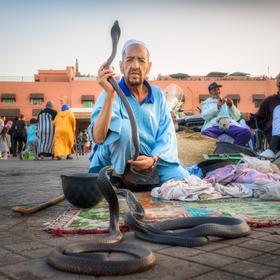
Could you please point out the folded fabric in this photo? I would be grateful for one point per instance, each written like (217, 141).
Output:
(234, 190)
(264, 166)
(238, 173)
(269, 191)
(191, 188)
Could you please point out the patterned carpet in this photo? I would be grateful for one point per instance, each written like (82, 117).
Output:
(256, 212)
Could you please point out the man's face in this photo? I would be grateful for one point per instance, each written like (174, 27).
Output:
(135, 65)
(278, 84)
(215, 92)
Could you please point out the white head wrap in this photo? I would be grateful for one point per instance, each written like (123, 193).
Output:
(133, 42)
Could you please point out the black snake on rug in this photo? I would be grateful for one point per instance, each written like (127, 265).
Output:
(85, 258)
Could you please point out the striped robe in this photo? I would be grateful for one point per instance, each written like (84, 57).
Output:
(45, 131)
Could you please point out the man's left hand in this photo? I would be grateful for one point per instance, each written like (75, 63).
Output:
(142, 162)
(229, 102)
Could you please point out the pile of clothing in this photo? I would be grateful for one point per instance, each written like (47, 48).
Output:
(251, 178)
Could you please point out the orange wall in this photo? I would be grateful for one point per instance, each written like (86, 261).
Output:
(61, 92)
(192, 90)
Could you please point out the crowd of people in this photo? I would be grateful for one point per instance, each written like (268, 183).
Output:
(51, 135)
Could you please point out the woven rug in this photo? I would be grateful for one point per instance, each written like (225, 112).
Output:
(255, 212)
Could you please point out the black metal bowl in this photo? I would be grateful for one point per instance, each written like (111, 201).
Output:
(212, 164)
(227, 148)
(81, 189)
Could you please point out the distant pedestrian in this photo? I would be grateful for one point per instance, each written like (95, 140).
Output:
(45, 131)
(12, 132)
(88, 146)
(20, 135)
(2, 122)
(5, 143)
(85, 139)
(31, 145)
(80, 143)
(64, 136)
(9, 125)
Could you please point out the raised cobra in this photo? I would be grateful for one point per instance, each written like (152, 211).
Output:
(76, 258)
(79, 258)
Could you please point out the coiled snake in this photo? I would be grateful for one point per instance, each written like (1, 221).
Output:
(78, 258)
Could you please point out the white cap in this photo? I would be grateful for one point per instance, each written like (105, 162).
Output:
(133, 42)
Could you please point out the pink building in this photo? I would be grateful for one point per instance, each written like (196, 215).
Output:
(67, 86)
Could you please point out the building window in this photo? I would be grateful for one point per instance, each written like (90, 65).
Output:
(258, 103)
(235, 98)
(258, 99)
(36, 101)
(235, 102)
(8, 100)
(203, 97)
(10, 114)
(36, 98)
(35, 112)
(87, 103)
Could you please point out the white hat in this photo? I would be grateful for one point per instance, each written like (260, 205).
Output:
(131, 42)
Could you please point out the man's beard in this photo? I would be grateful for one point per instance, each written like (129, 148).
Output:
(134, 83)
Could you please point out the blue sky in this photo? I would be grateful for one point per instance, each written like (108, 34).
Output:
(191, 36)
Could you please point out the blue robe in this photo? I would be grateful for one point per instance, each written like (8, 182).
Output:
(156, 134)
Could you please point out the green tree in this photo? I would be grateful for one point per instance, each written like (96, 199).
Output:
(180, 76)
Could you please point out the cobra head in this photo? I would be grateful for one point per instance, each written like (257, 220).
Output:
(115, 35)
(115, 32)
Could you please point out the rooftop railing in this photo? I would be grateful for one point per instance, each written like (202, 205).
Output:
(151, 77)
(16, 78)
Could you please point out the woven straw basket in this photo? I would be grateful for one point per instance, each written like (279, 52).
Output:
(192, 146)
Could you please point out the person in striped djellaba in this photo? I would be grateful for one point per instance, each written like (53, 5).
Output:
(45, 131)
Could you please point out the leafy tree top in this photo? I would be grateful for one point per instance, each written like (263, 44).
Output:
(181, 76)
(217, 74)
(239, 74)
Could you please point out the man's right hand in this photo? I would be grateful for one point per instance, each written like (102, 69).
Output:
(101, 126)
(220, 102)
(103, 75)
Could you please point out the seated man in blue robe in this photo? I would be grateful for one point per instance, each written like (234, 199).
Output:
(110, 127)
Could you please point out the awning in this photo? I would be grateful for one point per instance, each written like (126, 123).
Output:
(203, 97)
(35, 112)
(8, 96)
(36, 96)
(234, 96)
(258, 97)
(82, 115)
(88, 98)
(10, 112)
